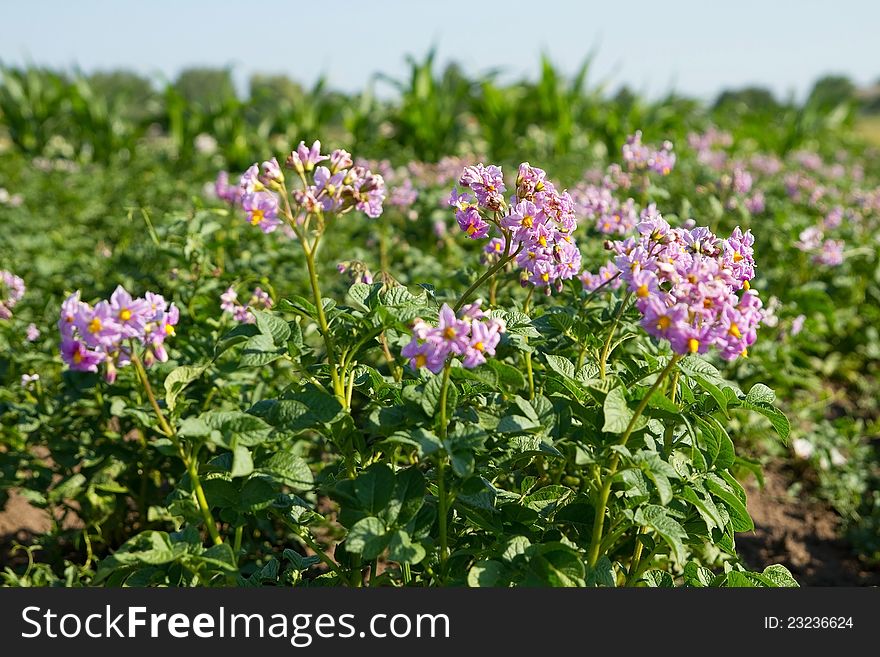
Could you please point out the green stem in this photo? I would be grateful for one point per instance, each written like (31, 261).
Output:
(303, 535)
(442, 500)
(605, 349)
(605, 492)
(528, 356)
(489, 273)
(191, 464)
(633, 574)
(236, 545)
(338, 385)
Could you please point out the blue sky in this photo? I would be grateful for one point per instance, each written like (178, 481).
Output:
(694, 47)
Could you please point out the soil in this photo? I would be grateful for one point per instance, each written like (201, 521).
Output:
(800, 534)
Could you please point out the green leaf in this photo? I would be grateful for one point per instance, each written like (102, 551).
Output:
(246, 429)
(507, 374)
(739, 516)
(760, 394)
(705, 507)
(777, 418)
(561, 365)
(517, 424)
(178, 379)
(360, 293)
(485, 574)
(556, 564)
(602, 574)
(272, 325)
(658, 579)
(242, 462)
(367, 537)
(259, 350)
(256, 494)
(617, 412)
(306, 410)
(716, 392)
(374, 488)
(669, 529)
(780, 576)
(408, 497)
(697, 576)
(402, 550)
(298, 561)
(289, 469)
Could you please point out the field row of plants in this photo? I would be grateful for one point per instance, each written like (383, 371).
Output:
(477, 334)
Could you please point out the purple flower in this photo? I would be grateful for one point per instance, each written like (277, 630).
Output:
(472, 223)
(32, 333)
(98, 327)
(469, 336)
(12, 289)
(797, 325)
(487, 183)
(304, 159)
(831, 254)
(259, 300)
(130, 315)
(691, 287)
(79, 357)
(271, 173)
(28, 379)
(262, 210)
(106, 333)
(226, 192)
(484, 338)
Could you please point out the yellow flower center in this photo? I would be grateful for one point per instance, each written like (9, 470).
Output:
(169, 330)
(663, 323)
(745, 353)
(125, 314)
(449, 333)
(77, 357)
(95, 325)
(479, 346)
(471, 229)
(498, 246)
(737, 256)
(421, 360)
(746, 285)
(545, 277)
(542, 240)
(693, 345)
(734, 330)
(256, 217)
(642, 291)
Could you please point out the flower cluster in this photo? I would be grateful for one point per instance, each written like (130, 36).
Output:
(11, 291)
(470, 336)
(106, 333)
(641, 157)
(335, 188)
(827, 252)
(691, 287)
(536, 222)
(259, 300)
(611, 216)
